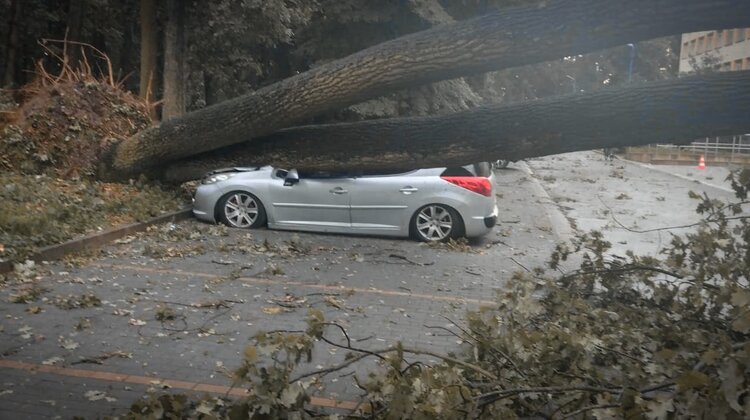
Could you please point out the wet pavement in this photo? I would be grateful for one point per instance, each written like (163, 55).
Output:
(87, 340)
(90, 336)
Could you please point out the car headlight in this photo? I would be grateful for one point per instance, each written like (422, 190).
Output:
(216, 178)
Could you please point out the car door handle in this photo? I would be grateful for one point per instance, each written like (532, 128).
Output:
(409, 190)
(338, 190)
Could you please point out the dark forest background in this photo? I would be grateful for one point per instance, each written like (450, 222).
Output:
(190, 54)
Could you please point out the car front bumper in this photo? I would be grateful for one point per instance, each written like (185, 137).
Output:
(204, 202)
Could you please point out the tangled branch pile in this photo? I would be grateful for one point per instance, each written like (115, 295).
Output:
(49, 147)
(64, 119)
(620, 337)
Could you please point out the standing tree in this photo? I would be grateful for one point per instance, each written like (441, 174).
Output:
(74, 27)
(148, 47)
(174, 61)
(12, 43)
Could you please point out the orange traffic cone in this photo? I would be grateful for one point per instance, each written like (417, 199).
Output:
(702, 163)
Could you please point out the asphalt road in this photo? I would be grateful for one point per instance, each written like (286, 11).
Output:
(88, 341)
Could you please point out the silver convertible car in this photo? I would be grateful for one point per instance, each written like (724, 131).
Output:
(427, 204)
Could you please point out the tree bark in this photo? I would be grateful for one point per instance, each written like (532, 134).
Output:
(174, 61)
(9, 76)
(148, 48)
(515, 37)
(669, 112)
(73, 33)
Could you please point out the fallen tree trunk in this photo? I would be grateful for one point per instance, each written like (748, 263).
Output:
(550, 30)
(672, 111)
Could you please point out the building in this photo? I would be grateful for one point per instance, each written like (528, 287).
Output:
(725, 50)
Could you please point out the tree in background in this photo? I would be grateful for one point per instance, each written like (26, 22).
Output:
(148, 48)
(174, 61)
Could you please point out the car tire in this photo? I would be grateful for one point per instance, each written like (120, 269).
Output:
(428, 224)
(240, 209)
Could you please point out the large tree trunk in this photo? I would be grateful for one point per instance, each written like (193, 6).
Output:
(148, 48)
(174, 61)
(672, 111)
(553, 29)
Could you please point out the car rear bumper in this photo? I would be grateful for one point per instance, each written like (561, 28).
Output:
(480, 225)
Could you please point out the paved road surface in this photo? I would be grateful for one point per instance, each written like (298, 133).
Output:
(385, 290)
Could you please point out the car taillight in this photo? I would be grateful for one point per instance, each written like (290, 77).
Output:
(477, 184)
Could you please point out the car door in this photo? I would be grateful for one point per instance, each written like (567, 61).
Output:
(383, 204)
(316, 203)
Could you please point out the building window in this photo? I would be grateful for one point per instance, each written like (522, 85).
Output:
(710, 41)
(726, 66)
(699, 48)
(691, 51)
(737, 65)
(729, 38)
(747, 64)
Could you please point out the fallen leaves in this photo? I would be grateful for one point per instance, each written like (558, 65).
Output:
(290, 301)
(53, 361)
(26, 332)
(94, 395)
(333, 301)
(122, 312)
(275, 310)
(457, 245)
(28, 294)
(34, 309)
(86, 300)
(68, 344)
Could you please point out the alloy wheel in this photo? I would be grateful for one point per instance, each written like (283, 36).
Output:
(241, 210)
(434, 223)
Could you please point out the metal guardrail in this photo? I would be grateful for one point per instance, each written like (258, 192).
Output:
(724, 145)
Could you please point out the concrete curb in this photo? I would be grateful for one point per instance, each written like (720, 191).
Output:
(560, 224)
(97, 240)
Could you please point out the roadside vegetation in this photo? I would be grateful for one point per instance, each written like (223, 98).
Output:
(622, 336)
(49, 143)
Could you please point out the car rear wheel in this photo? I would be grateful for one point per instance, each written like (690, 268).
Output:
(241, 209)
(435, 223)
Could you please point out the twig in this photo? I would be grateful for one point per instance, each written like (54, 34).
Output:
(401, 257)
(706, 220)
(331, 369)
(620, 353)
(519, 264)
(493, 396)
(508, 359)
(626, 269)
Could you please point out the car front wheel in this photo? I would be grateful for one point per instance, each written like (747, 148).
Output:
(436, 222)
(241, 210)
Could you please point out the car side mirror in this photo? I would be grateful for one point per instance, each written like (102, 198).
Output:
(291, 178)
